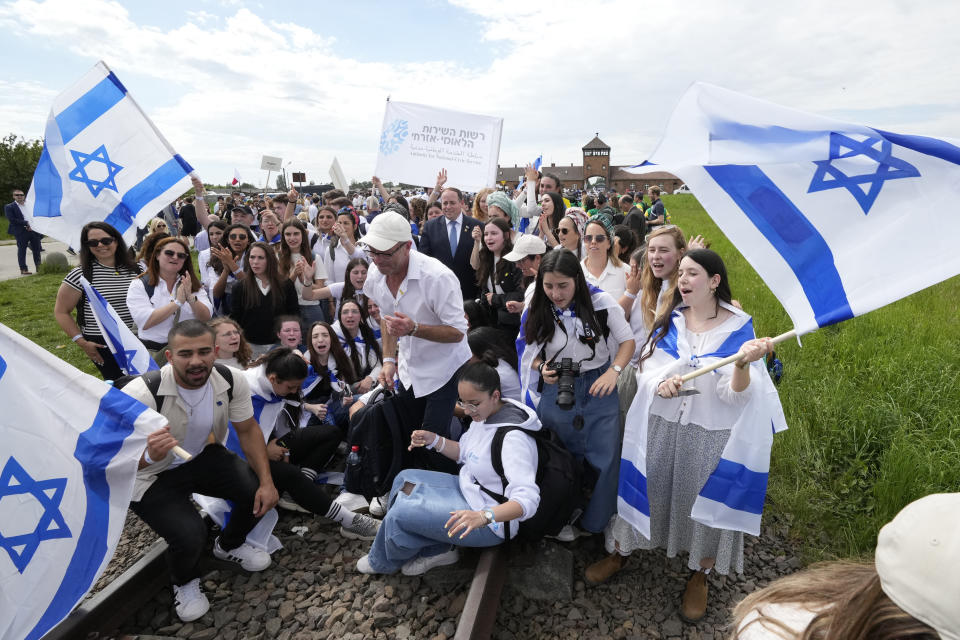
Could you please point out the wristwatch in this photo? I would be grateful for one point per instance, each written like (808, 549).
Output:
(488, 514)
(617, 368)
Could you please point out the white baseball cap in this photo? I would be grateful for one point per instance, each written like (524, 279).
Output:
(917, 556)
(386, 230)
(527, 245)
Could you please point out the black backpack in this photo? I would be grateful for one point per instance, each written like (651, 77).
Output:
(152, 379)
(378, 430)
(560, 479)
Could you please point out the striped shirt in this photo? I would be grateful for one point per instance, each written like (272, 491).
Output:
(112, 285)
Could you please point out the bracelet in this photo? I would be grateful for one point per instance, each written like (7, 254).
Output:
(442, 445)
(416, 327)
(391, 360)
(146, 457)
(77, 337)
(436, 439)
(540, 367)
(237, 271)
(632, 296)
(178, 303)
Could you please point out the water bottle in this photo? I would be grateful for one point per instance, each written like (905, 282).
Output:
(353, 458)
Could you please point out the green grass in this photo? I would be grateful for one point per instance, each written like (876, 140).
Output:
(872, 405)
(4, 225)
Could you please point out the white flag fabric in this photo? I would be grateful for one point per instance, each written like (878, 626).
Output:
(103, 159)
(417, 141)
(236, 178)
(337, 178)
(818, 206)
(71, 444)
(131, 355)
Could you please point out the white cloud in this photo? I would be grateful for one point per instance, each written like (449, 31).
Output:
(243, 84)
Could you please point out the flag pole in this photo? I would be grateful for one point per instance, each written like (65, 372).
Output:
(181, 453)
(720, 363)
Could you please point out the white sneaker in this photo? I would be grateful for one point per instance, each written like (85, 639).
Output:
(190, 601)
(351, 501)
(569, 533)
(419, 566)
(250, 558)
(378, 506)
(288, 503)
(363, 528)
(363, 566)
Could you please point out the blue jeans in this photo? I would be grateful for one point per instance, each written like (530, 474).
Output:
(413, 526)
(598, 441)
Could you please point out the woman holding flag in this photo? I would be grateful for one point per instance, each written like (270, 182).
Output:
(695, 455)
(108, 267)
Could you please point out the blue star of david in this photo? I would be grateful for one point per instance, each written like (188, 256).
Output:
(888, 168)
(79, 172)
(14, 480)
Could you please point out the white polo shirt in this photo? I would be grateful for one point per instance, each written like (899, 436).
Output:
(430, 294)
(613, 280)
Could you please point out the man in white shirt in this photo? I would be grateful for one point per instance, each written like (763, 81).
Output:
(422, 322)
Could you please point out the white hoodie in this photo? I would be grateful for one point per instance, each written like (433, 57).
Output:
(520, 461)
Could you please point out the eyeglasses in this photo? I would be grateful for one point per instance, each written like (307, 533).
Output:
(373, 254)
(560, 231)
(468, 407)
(174, 254)
(238, 236)
(92, 243)
(599, 239)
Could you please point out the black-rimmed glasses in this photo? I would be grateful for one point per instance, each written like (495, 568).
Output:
(92, 243)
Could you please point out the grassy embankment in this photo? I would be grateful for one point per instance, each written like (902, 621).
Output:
(872, 403)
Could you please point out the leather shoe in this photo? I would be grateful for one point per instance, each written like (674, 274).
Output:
(25, 273)
(602, 570)
(694, 605)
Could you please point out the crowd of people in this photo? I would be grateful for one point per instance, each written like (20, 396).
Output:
(544, 309)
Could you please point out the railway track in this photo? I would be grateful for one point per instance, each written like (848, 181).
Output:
(109, 609)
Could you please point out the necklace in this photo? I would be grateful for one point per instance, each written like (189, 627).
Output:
(191, 406)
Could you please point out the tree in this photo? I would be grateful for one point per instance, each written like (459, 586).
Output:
(281, 183)
(18, 161)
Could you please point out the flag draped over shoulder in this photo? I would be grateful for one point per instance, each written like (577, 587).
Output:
(131, 355)
(102, 159)
(71, 444)
(821, 208)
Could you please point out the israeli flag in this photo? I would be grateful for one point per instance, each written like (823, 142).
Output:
(132, 357)
(71, 444)
(536, 167)
(103, 159)
(819, 207)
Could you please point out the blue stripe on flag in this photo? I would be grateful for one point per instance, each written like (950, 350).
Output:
(96, 447)
(733, 342)
(752, 134)
(167, 175)
(47, 187)
(796, 240)
(633, 487)
(922, 144)
(736, 486)
(88, 107)
(668, 344)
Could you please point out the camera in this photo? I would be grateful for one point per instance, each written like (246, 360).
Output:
(567, 371)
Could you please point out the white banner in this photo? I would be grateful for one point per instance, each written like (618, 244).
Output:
(417, 141)
(270, 163)
(337, 177)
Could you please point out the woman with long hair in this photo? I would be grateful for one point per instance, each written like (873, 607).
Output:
(303, 268)
(214, 234)
(168, 293)
(227, 262)
(147, 246)
(343, 246)
(108, 267)
(329, 381)
(263, 294)
(581, 335)
(602, 267)
(479, 210)
(350, 288)
(232, 348)
(552, 210)
(359, 343)
(681, 446)
(297, 454)
(500, 280)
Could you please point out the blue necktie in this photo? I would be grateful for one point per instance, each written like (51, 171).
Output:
(453, 237)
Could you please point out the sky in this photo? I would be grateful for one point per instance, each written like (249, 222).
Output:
(228, 81)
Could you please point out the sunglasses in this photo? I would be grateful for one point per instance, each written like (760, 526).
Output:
(104, 241)
(560, 231)
(174, 254)
(238, 236)
(599, 239)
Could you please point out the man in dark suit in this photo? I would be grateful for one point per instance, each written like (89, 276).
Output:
(449, 239)
(20, 229)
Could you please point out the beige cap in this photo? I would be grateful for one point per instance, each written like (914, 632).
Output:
(918, 553)
(386, 230)
(527, 245)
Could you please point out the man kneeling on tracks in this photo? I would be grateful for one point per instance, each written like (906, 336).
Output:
(197, 400)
